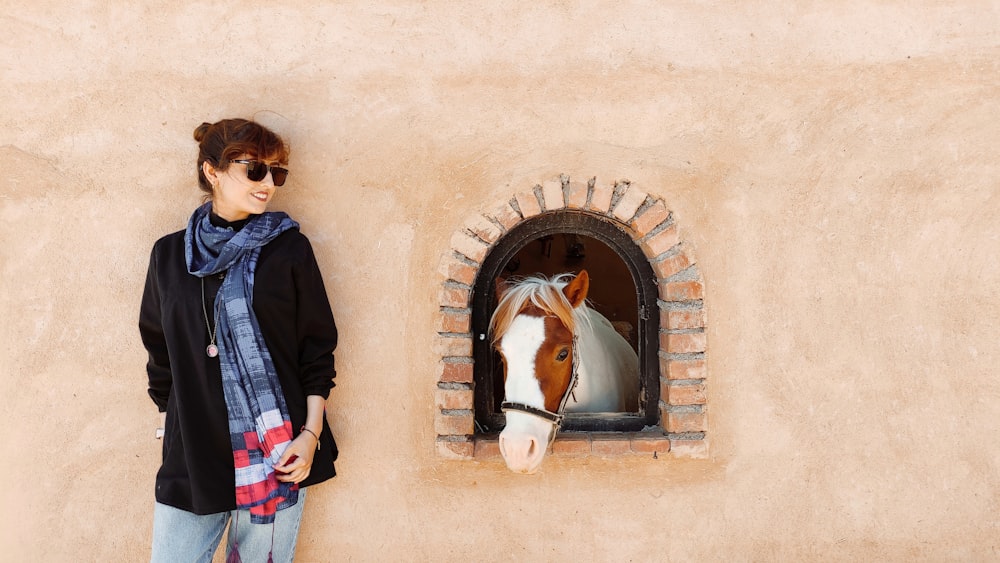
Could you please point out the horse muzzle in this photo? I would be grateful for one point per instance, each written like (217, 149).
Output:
(524, 441)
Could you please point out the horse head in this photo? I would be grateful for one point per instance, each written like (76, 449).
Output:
(533, 331)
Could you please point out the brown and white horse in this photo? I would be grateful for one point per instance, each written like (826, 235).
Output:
(558, 355)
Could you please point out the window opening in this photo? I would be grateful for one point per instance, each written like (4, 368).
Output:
(623, 289)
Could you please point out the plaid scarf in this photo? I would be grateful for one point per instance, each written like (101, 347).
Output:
(259, 426)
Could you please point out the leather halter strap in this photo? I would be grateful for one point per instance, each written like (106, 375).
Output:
(554, 418)
(550, 416)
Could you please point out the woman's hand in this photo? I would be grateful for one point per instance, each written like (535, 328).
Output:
(300, 452)
(304, 446)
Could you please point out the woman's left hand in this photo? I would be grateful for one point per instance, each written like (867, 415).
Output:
(302, 448)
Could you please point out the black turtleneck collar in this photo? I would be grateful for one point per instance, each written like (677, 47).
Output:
(223, 224)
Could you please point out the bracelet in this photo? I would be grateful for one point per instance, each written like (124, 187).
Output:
(304, 429)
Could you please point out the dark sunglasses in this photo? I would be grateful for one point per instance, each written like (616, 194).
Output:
(257, 171)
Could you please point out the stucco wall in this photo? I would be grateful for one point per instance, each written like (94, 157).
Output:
(833, 165)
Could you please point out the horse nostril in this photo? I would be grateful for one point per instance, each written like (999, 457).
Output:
(531, 447)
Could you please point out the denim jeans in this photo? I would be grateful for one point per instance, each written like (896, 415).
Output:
(182, 536)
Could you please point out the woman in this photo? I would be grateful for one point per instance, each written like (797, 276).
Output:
(240, 339)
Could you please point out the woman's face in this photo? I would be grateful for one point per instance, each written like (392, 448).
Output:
(236, 197)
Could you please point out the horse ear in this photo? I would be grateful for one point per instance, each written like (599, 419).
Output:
(576, 290)
(501, 287)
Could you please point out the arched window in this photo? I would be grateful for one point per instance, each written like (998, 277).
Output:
(623, 289)
(644, 279)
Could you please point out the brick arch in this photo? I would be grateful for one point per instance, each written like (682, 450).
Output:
(682, 343)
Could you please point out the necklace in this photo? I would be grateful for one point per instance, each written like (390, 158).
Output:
(212, 350)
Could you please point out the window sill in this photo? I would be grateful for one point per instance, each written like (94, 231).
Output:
(586, 444)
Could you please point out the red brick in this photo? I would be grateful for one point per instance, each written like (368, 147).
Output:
(577, 196)
(455, 372)
(453, 399)
(484, 228)
(462, 449)
(454, 425)
(487, 448)
(685, 394)
(682, 318)
(459, 271)
(651, 218)
(664, 383)
(607, 445)
(506, 216)
(686, 421)
(528, 204)
(661, 242)
(692, 449)
(456, 297)
(682, 343)
(670, 266)
(683, 369)
(552, 194)
(469, 246)
(453, 346)
(665, 342)
(571, 444)
(629, 204)
(600, 200)
(449, 321)
(650, 444)
(681, 291)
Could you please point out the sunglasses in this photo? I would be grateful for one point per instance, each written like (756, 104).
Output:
(257, 171)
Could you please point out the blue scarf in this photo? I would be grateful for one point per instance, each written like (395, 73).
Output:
(259, 426)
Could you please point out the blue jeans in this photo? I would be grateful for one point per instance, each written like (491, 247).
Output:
(180, 536)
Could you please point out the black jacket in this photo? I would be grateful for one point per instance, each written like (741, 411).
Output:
(294, 315)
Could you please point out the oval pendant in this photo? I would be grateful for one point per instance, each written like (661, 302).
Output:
(212, 350)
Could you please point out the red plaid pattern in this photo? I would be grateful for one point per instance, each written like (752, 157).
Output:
(257, 485)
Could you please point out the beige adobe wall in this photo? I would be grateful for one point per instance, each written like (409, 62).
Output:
(834, 166)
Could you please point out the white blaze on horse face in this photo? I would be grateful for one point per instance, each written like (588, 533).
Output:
(525, 437)
(519, 347)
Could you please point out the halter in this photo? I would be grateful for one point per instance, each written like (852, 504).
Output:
(554, 418)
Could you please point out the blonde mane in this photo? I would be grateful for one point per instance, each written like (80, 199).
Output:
(545, 294)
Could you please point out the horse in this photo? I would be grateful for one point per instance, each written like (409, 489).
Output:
(558, 355)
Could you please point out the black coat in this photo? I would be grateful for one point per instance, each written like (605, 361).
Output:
(294, 315)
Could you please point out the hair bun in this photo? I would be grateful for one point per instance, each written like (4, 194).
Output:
(201, 130)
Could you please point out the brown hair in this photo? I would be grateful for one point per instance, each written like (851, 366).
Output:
(220, 142)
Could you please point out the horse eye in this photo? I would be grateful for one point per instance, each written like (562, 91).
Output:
(563, 354)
